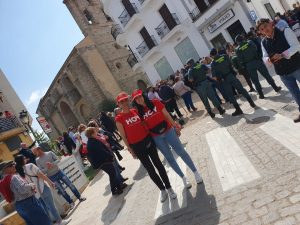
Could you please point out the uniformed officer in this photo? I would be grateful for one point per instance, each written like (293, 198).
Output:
(249, 59)
(197, 75)
(223, 72)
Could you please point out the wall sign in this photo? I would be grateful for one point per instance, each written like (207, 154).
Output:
(220, 21)
(253, 15)
(44, 124)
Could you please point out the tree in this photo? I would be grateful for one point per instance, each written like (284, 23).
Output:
(40, 137)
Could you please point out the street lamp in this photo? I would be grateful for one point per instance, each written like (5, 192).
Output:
(25, 119)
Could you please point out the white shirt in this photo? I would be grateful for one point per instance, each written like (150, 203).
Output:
(31, 172)
(292, 41)
(84, 139)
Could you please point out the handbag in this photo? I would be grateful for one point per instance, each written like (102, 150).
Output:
(160, 128)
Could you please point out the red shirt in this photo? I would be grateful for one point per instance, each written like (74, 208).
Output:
(134, 128)
(155, 117)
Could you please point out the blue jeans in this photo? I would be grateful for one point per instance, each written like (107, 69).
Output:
(118, 172)
(169, 139)
(60, 178)
(290, 81)
(32, 212)
(187, 98)
(48, 203)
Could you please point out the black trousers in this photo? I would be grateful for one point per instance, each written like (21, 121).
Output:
(147, 153)
(111, 172)
(171, 106)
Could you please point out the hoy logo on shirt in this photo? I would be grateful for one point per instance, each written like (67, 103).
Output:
(132, 120)
(150, 113)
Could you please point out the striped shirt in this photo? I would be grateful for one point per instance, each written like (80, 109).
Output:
(21, 188)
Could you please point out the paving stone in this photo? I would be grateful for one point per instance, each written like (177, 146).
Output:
(282, 194)
(255, 213)
(270, 217)
(286, 221)
(290, 210)
(294, 198)
(264, 201)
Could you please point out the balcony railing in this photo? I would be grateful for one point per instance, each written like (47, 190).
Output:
(163, 29)
(132, 60)
(125, 16)
(141, 1)
(143, 48)
(116, 29)
(7, 124)
(196, 12)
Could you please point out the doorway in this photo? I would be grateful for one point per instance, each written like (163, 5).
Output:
(235, 29)
(219, 42)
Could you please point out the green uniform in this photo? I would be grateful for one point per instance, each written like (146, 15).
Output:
(252, 62)
(202, 86)
(221, 68)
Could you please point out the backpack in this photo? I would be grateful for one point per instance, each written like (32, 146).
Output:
(5, 188)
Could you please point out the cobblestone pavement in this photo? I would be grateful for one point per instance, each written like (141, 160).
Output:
(260, 139)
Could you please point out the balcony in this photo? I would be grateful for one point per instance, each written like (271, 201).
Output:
(132, 60)
(143, 48)
(163, 29)
(116, 29)
(7, 124)
(126, 16)
(196, 13)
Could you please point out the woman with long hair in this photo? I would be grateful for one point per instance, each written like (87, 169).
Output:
(140, 144)
(165, 133)
(32, 174)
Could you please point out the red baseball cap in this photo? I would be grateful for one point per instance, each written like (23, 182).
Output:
(136, 93)
(122, 96)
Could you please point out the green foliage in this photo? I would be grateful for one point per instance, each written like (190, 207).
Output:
(40, 137)
(107, 105)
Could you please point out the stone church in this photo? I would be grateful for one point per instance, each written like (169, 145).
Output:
(95, 71)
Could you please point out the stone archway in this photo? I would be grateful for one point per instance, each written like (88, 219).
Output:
(68, 115)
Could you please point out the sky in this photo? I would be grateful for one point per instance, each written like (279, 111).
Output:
(36, 37)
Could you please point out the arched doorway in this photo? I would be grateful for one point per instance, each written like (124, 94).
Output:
(69, 117)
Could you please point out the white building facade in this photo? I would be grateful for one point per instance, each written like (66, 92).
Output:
(163, 34)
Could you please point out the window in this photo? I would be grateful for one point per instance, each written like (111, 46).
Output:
(185, 50)
(270, 10)
(163, 68)
(13, 143)
(88, 16)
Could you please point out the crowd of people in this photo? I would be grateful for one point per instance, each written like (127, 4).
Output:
(146, 122)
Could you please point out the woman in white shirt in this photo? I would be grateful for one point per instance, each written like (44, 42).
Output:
(33, 174)
(185, 92)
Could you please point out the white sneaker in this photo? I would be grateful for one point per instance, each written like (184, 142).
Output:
(186, 183)
(171, 193)
(163, 195)
(198, 177)
(65, 222)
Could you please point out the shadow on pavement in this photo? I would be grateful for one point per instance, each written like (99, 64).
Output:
(96, 178)
(201, 210)
(227, 120)
(197, 114)
(140, 173)
(114, 206)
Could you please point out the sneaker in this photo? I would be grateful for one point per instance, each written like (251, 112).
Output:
(297, 120)
(198, 177)
(237, 112)
(66, 221)
(171, 193)
(82, 199)
(186, 183)
(72, 205)
(163, 195)
(117, 192)
(278, 89)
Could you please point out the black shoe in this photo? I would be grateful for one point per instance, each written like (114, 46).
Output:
(237, 112)
(212, 115)
(124, 185)
(194, 109)
(117, 192)
(124, 179)
(261, 96)
(252, 90)
(82, 199)
(297, 120)
(252, 104)
(221, 110)
(277, 88)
